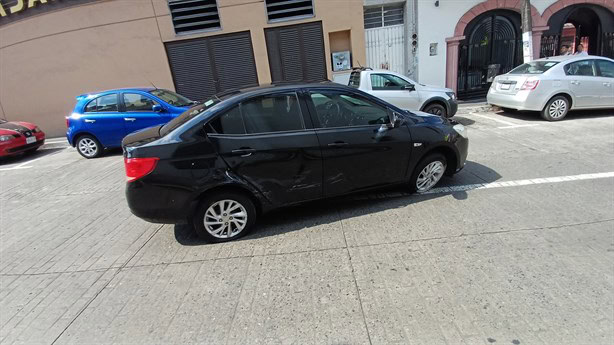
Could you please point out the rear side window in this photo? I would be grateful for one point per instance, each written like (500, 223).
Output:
(106, 103)
(354, 79)
(138, 102)
(606, 68)
(534, 67)
(581, 68)
(273, 113)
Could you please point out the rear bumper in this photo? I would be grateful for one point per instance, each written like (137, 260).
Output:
(157, 204)
(522, 100)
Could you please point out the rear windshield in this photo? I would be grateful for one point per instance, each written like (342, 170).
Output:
(187, 116)
(354, 79)
(534, 67)
(172, 98)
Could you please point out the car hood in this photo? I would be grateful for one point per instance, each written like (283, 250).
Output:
(15, 127)
(430, 88)
(429, 118)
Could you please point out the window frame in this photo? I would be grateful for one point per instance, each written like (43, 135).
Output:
(316, 119)
(117, 99)
(382, 75)
(222, 112)
(381, 14)
(123, 103)
(592, 61)
(198, 31)
(299, 17)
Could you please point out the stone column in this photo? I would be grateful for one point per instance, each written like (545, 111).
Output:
(452, 61)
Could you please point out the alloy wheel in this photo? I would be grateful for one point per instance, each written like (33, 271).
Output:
(88, 147)
(557, 109)
(225, 219)
(435, 111)
(430, 175)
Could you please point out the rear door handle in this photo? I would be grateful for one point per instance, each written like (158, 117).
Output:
(90, 121)
(607, 84)
(244, 152)
(131, 119)
(338, 144)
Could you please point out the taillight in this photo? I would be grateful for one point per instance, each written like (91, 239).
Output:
(529, 85)
(67, 122)
(139, 167)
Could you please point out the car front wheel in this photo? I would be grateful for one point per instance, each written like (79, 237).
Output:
(224, 217)
(436, 109)
(89, 147)
(556, 109)
(428, 173)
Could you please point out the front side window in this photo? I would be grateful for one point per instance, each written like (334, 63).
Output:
(138, 102)
(172, 98)
(341, 109)
(106, 103)
(606, 68)
(387, 82)
(581, 68)
(273, 113)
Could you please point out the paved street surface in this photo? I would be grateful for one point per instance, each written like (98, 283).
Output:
(516, 249)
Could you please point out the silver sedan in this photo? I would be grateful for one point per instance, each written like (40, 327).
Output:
(555, 85)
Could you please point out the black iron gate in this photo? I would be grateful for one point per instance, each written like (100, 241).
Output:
(493, 46)
(549, 46)
(607, 45)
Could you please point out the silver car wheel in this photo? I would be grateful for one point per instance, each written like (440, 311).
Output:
(225, 219)
(430, 175)
(88, 147)
(557, 109)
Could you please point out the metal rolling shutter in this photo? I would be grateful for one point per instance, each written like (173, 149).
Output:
(205, 66)
(296, 53)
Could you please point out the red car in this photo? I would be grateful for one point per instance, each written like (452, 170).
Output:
(18, 137)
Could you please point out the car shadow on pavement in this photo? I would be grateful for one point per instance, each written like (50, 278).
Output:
(327, 211)
(463, 120)
(25, 157)
(572, 115)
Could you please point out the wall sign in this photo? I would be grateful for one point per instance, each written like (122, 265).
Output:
(19, 6)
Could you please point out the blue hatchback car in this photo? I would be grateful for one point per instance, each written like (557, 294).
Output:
(101, 120)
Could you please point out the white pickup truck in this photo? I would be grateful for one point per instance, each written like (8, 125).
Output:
(403, 92)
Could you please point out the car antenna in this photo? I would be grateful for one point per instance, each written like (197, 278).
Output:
(152, 84)
(358, 62)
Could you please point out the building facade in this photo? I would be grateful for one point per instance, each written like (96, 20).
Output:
(53, 50)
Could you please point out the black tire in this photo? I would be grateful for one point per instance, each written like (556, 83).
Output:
(198, 220)
(556, 109)
(91, 142)
(423, 163)
(436, 109)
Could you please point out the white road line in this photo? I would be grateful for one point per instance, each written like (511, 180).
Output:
(518, 126)
(518, 183)
(494, 119)
(15, 168)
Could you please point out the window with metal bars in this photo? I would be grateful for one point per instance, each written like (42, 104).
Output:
(194, 15)
(280, 10)
(376, 17)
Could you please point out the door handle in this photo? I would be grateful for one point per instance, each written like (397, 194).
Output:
(574, 82)
(338, 144)
(90, 121)
(131, 119)
(244, 152)
(607, 84)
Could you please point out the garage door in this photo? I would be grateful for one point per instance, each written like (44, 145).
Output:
(296, 53)
(205, 66)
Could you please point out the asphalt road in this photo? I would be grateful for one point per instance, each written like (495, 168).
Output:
(516, 249)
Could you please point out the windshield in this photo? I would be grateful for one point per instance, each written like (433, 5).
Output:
(172, 98)
(187, 116)
(534, 67)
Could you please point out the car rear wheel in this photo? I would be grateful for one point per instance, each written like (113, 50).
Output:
(436, 109)
(428, 173)
(89, 147)
(224, 217)
(556, 109)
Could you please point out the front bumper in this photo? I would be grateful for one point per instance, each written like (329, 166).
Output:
(522, 100)
(19, 145)
(452, 107)
(462, 145)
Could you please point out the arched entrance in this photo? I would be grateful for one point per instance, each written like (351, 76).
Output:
(589, 24)
(492, 45)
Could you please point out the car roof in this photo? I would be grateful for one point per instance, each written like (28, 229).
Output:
(561, 58)
(280, 87)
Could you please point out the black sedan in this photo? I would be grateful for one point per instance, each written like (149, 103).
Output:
(220, 164)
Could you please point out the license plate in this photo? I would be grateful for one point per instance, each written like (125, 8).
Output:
(505, 86)
(30, 140)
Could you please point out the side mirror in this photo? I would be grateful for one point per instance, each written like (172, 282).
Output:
(409, 87)
(157, 108)
(395, 119)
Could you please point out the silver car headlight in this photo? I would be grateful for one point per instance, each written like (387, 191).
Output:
(5, 137)
(461, 130)
(452, 95)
